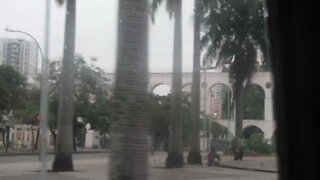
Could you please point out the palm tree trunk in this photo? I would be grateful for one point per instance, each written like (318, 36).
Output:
(74, 143)
(194, 156)
(54, 136)
(32, 139)
(3, 137)
(7, 129)
(175, 155)
(64, 149)
(74, 132)
(239, 97)
(37, 139)
(129, 150)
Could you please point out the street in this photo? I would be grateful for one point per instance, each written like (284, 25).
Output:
(95, 166)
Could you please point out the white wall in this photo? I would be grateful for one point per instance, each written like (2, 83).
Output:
(92, 138)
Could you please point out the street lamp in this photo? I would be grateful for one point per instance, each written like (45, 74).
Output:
(204, 86)
(210, 125)
(44, 91)
(34, 39)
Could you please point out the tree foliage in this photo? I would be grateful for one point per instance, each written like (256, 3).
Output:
(234, 36)
(31, 109)
(91, 101)
(12, 88)
(160, 118)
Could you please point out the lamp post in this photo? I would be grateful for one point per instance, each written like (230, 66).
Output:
(44, 93)
(210, 126)
(204, 86)
(34, 39)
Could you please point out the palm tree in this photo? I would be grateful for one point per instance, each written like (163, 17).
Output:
(175, 155)
(194, 156)
(64, 148)
(234, 33)
(129, 151)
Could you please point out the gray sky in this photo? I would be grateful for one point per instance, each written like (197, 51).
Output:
(96, 30)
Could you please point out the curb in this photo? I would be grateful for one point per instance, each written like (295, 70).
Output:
(247, 169)
(36, 153)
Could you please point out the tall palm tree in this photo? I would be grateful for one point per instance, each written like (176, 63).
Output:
(234, 33)
(64, 148)
(194, 156)
(175, 155)
(129, 151)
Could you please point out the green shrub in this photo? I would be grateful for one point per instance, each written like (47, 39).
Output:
(256, 144)
(1, 145)
(95, 146)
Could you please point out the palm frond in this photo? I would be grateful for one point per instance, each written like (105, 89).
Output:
(155, 4)
(60, 2)
(171, 7)
(234, 30)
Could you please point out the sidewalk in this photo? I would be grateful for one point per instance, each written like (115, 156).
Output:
(262, 164)
(258, 163)
(15, 152)
(97, 168)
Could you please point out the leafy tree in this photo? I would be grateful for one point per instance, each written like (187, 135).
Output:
(160, 120)
(28, 114)
(90, 82)
(92, 103)
(13, 91)
(218, 131)
(12, 88)
(90, 98)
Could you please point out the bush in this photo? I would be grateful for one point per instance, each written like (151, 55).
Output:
(256, 144)
(273, 144)
(95, 146)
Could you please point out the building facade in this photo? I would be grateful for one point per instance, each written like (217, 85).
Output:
(22, 55)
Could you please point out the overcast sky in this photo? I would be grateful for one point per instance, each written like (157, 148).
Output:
(96, 30)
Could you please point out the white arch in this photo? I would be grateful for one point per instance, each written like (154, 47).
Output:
(187, 87)
(260, 78)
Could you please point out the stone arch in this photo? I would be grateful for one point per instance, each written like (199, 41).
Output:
(185, 86)
(254, 102)
(250, 130)
(220, 95)
(153, 87)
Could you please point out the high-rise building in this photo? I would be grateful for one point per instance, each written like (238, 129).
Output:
(22, 55)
